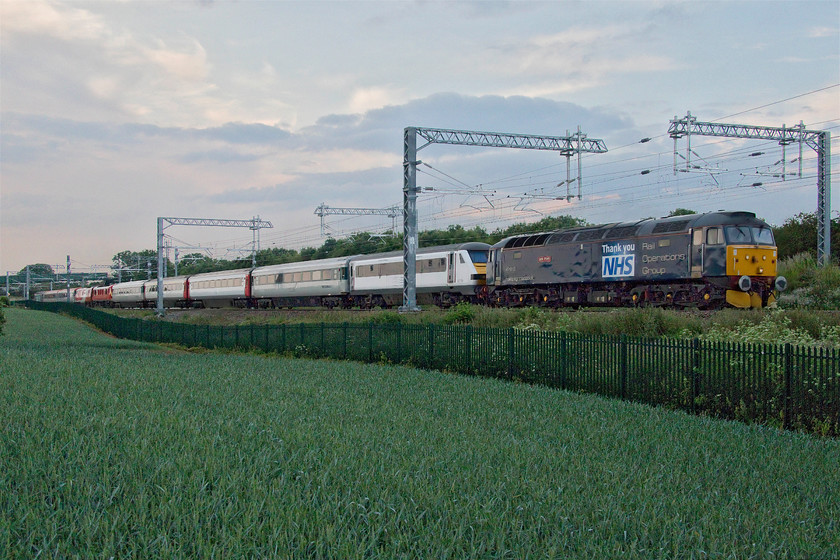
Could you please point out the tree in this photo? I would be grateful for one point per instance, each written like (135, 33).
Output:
(799, 235)
(40, 269)
(681, 212)
(135, 265)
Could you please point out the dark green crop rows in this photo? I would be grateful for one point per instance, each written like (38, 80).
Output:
(113, 448)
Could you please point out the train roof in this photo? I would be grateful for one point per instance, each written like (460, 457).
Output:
(469, 246)
(318, 264)
(621, 230)
(230, 273)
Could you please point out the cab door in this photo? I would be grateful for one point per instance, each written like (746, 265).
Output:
(697, 253)
(450, 268)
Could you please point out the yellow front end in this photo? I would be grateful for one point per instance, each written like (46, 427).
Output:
(481, 273)
(759, 263)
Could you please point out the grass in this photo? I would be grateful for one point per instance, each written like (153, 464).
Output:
(804, 326)
(117, 448)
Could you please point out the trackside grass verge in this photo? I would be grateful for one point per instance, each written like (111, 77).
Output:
(113, 448)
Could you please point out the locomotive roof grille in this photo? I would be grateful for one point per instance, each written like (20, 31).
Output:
(564, 237)
(590, 234)
(667, 227)
(528, 241)
(626, 231)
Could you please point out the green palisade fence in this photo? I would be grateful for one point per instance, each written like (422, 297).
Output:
(796, 387)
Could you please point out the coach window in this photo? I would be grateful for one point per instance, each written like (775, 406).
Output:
(316, 274)
(714, 236)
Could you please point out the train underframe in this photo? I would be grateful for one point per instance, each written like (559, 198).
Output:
(699, 294)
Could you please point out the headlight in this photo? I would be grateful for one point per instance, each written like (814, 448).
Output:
(781, 283)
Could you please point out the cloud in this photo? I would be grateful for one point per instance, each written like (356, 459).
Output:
(578, 58)
(41, 18)
(820, 32)
(365, 99)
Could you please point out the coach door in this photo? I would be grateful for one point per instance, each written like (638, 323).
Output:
(450, 268)
(697, 253)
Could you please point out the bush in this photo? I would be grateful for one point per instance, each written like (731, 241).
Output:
(811, 286)
(386, 318)
(2, 320)
(461, 314)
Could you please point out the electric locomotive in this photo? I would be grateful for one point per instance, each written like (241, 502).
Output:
(701, 260)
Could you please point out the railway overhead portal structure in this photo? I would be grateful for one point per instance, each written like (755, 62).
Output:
(818, 140)
(568, 146)
(254, 224)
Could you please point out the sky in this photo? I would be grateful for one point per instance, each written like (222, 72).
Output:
(113, 114)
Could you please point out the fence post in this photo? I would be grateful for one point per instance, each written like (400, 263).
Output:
(344, 329)
(399, 343)
(302, 335)
(563, 359)
(623, 365)
(788, 374)
(510, 353)
(695, 374)
(431, 346)
(370, 342)
(469, 349)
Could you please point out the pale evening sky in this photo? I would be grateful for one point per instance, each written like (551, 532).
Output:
(115, 113)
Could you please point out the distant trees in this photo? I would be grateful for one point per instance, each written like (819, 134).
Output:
(39, 269)
(681, 212)
(134, 265)
(799, 235)
(139, 265)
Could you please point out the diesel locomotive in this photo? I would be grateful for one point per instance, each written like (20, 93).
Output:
(700, 260)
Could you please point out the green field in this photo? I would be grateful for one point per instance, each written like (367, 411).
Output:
(113, 448)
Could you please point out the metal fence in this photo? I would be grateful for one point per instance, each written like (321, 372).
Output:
(790, 386)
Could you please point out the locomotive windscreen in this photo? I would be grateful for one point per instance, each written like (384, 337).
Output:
(749, 235)
(478, 256)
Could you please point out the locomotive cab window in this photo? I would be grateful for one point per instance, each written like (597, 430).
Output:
(763, 236)
(738, 234)
(714, 236)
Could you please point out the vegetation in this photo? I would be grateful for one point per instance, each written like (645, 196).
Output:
(815, 328)
(114, 448)
(810, 286)
(134, 263)
(798, 235)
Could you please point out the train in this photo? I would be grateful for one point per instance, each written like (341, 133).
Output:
(706, 261)
(446, 275)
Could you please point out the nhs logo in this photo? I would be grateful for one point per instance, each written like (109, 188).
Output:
(618, 259)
